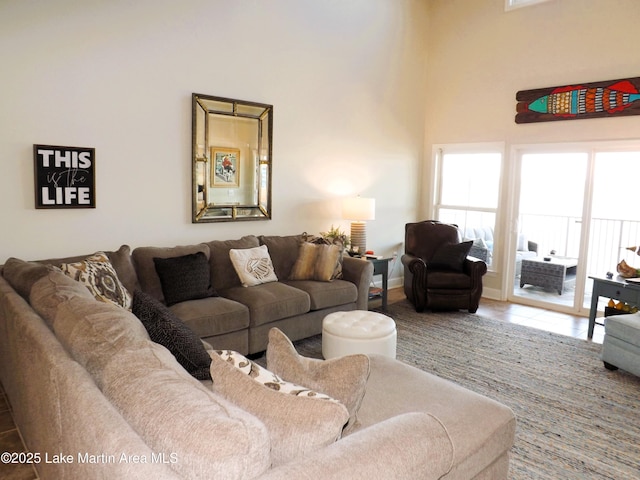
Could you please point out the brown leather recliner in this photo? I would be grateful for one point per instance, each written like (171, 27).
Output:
(438, 274)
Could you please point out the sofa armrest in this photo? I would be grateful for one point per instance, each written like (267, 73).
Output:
(408, 446)
(360, 273)
(475, 268)
(415, 272)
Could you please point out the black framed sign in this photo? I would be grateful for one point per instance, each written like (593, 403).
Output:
(64, 176)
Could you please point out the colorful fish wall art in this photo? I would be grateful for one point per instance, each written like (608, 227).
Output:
(610, 98)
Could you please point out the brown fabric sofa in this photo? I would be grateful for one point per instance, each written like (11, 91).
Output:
(240, 318)
(84, 379)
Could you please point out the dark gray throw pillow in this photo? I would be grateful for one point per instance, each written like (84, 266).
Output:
(451, 257)
(171, 332)
(184, 278)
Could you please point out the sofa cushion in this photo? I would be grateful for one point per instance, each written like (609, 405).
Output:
(451, 256)
(98, 275)
(22, 275)
(168, 330)
(53, 289)
(449, 281)
(146, 268)
(523, 243)
(326, 294)
(253, 265)
(480, 428)
(175, 414)
(315, 262)
(212, 316)
(283, 251)
(93, 332)
(186, 277)
(297, 425)
(342, 378)
(223, 275)
(270, 301)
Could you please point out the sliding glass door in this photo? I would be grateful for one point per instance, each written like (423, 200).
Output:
(576, 217)
(615, 214)
(547, 254)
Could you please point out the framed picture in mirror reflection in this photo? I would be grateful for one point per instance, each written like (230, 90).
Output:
(225, 167)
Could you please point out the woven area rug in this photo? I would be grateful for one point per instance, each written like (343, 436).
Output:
(576, 420)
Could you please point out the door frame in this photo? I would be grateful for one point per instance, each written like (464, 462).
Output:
(513, 213)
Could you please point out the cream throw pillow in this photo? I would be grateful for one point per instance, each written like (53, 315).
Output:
(297, 424)
(342, 378)
(316, 262)
(253, 265)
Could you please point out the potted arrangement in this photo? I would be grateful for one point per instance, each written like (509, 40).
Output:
(336, 236)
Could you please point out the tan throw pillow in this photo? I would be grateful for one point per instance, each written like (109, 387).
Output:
(315, 262)
(253, 265)
(342, 378)
(99, 276)
(298, 423)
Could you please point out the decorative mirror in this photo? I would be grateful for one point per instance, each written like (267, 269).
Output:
(231, 159)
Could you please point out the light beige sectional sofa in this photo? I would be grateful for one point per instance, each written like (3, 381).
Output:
(87, 385)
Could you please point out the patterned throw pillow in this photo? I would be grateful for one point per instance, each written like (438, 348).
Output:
(253, 265)
(316, 262)
(169, 331)
(99, 276)
(267, 378)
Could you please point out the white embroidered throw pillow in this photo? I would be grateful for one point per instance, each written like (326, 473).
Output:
(253, 265)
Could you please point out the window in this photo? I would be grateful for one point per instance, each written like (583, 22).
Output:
(468, 193)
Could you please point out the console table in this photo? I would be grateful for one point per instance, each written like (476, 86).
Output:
(615, 288)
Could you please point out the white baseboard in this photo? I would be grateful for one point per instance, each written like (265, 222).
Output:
(394, 282)
(492, 293)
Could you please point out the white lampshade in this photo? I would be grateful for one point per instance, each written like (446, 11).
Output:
(359, 209)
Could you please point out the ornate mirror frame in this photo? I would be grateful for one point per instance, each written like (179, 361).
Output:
(231, 159)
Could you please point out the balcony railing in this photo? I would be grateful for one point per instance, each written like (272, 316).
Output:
(608, 239)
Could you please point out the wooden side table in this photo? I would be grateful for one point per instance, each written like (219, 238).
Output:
(381, 267)
(615, 288)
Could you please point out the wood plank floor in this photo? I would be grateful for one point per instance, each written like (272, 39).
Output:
(543, 319)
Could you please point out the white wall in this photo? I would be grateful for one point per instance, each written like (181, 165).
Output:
(346, 79)
(479, 57)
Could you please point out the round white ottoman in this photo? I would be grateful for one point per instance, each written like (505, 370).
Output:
(358, 331)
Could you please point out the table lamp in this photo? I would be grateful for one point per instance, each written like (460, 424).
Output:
(359, 210)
